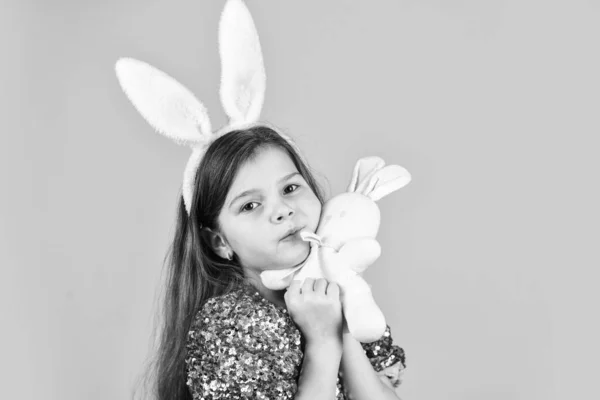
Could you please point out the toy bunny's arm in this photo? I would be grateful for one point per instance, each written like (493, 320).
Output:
(364, 319)
(278, 279)
(363, 316)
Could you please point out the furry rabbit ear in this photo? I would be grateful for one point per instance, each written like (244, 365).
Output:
(372, 179)
(364, 169)
(387, 180)
(166, 104)
(243, 78)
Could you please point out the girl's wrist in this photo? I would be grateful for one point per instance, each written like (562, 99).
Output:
(347, 339)
(330, 347)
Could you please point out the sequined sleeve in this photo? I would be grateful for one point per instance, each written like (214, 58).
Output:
(242, 351)
(387, 359)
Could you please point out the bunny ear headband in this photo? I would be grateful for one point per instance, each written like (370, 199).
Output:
(176, 113)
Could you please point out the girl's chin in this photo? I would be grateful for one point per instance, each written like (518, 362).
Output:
(294, 253)
(301, 257)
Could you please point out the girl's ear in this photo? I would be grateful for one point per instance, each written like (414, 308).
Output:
(217, 243)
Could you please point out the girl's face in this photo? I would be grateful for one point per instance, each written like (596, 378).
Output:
(268, 199)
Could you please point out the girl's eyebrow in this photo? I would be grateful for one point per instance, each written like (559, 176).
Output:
(250, 191)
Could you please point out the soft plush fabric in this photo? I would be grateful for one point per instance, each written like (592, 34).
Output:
(344, 245)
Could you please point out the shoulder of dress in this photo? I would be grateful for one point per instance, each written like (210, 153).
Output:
(218, 309)
(241, 345)
(234, 309)
(244, 316)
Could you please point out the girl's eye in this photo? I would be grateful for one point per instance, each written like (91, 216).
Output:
(245, 207)
(293, 184)
(248, 206)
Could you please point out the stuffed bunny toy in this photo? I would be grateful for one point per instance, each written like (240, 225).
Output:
(344, 245)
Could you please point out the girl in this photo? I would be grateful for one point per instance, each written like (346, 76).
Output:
(227, 336)
(246, 194)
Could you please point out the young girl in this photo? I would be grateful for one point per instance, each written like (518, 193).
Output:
(246, 194)
(228, 337)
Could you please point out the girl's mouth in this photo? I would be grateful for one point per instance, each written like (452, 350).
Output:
(290, 236)
(293, 235)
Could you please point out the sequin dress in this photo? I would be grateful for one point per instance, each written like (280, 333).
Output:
(241, 346)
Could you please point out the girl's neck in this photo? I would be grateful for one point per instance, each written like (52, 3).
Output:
(274, 296)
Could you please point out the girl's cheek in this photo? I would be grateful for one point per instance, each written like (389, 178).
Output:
(315, 207)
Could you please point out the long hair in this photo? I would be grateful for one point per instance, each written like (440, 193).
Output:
(194, 273)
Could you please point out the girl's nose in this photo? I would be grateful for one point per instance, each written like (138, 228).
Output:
(282, 213)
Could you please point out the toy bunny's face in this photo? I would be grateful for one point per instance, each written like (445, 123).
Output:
(354, 214)
(348, 216)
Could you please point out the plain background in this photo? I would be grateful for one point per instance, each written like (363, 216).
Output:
(488, 275)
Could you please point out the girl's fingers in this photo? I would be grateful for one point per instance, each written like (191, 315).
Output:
(294, 287)
(321, 286)
(333, 290)
(311, 285)
(308, 285)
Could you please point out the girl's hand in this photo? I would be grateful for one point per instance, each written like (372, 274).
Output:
(315, 307)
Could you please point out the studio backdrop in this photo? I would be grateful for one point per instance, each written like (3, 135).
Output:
(488, 273)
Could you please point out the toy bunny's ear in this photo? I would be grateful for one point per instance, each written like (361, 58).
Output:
(371, 178)
(364, 169)
(166, 104)
(243, 78)
(388, 180)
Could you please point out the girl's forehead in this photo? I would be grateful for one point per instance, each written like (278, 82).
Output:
(267, 167)
(270, 161)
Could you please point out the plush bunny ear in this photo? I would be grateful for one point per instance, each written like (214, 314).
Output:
(243, 78)
(375, 181)
(388, 180)
(364, 169)
(166, 104)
